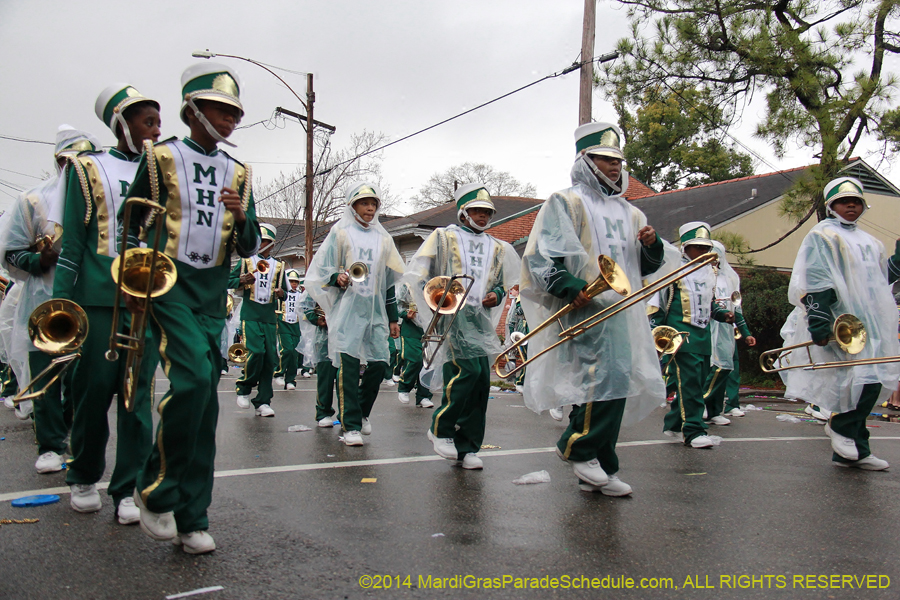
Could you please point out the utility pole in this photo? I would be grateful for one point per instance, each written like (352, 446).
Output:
(308, 217)
(587, 69)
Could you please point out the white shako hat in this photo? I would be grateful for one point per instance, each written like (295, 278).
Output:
(696, 233)
(603, 139)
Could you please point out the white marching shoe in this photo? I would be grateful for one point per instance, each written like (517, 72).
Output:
(243, 400)
(195, 542)
(444, 447)
(49, 462)
(425, 403)
(403, 397)
(279, 381)
(615, 487)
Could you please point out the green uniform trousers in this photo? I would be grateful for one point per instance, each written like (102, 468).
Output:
(687, 372)
(411, 359)
(52, 413)
(733, 386)
(326, 376)
(288, 338)
(356, 396)
(463, 410)
(261, 342)
(10, 386)
(178, 473)
(592, 432)
(94, 384)
(852, 424)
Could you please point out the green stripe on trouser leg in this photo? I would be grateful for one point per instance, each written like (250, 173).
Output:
(852, 424)
(688, 372)
(260, 339)
(714, 391)
(94, 384)
(357, 397)
(178, 474)
(593, 432)
(288, 338)
(463, 410)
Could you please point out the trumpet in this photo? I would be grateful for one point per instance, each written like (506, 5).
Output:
(445, 295)
(144, 273)
(848, 332)
(668, 340)
(611, 277)
(736, 300)
(238, 354)
(57, 327)
(358, 272)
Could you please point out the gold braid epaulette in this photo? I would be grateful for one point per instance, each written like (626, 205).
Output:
(154, 187)
(245, 200)
(85, 191)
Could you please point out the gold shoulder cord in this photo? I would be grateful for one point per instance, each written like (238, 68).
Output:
(85, 191)
(245, 200)
(154, 186)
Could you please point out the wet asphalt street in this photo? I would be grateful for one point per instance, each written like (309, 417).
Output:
(299, 515)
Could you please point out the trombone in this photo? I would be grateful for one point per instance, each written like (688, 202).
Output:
(57, 327)
(445, 295)
(144, 273)
(667, 340)
(611, 277)
(238, 353)
(848, 332)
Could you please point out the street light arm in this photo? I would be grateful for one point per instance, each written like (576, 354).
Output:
(208, 54)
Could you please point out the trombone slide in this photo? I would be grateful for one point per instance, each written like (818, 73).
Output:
(437, 301)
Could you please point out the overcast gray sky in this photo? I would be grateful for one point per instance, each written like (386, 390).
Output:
(393, 66)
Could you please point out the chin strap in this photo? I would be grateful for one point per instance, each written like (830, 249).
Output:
(207, 125)
(464, 214)
(127, 133)
(603, 178)
(842, 220)
(358, 218)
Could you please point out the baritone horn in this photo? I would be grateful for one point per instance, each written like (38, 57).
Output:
(57, 327)
(143, 273)
(611, 277)
(445, 295)
(848, 332)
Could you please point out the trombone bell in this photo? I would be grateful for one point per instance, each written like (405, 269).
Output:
(434, 291)
(611, 277)
(848, 332)
(138, 262)
(667, 340)
(58, 326)
(238, 354)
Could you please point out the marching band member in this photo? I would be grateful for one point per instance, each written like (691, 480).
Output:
(262, 279)
(724, 378)
(174, 488)
(411, 355)
(689, 305)
(458, 425)
(842, 269)
(289, 333)
(35, 216)
(518, 324)
(8, 385)
(83, 275)
(610, 373)
(361, 315)
(314, 330)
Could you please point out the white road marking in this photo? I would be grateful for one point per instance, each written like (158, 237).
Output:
(205, 590)
(417, 459)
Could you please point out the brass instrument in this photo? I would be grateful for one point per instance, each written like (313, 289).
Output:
(238, 354)
(515, 337)
(358, 272)
(57, 327)
(736, 300)
(611, 277)
(261, 267)
(848, 332)
(445, 295)
(144, 273)
(668, 340)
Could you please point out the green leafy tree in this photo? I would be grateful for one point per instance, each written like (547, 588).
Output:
(674, 139)
(820, 64)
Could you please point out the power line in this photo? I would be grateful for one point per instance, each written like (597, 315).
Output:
(573, 67)
(24, 140)
(17, 173)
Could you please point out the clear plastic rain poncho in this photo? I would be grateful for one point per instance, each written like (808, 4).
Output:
(853, 264)
(313, 339)
(615, 359)
(357, 318)
(451, 251)
(722, 334)
(35, 214)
